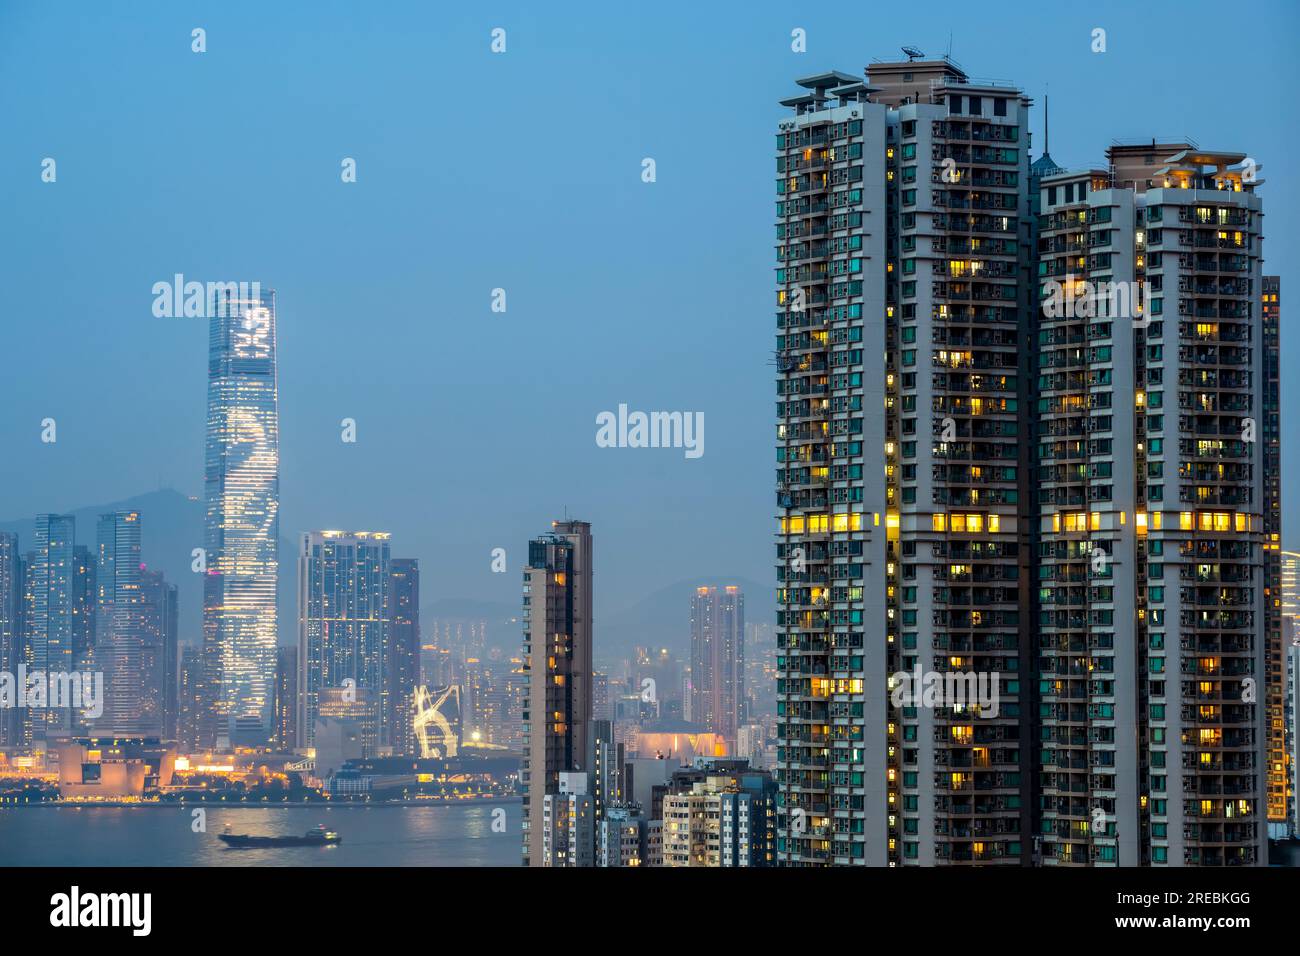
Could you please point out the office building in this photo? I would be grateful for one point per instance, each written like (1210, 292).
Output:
(119, 623)
(190, 700)
(48, 621)
(241, 488)
(160, 708)
(343, 579)
(403, 655)
(11, 648)
(285, 727)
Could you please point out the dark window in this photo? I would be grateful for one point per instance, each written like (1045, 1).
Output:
(1051, 195)
(999, 107)
(976, 106)
(954, 103)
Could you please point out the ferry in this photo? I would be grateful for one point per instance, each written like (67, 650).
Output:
(317, 837)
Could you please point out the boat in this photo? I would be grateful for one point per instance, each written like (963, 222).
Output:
(315, 837)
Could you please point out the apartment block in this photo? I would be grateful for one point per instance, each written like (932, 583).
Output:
(569, 824)
(903, 466)
(557, 669)
(1152, 553)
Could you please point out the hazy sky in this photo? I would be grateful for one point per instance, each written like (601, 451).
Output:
(476, 171)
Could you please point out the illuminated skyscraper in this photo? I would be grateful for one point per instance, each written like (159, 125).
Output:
(119, 619)
(242, 495)
(403, 652)
(11, 581)
(85, 600)
(189, 699)
(48, 620)
(285, 737)
(160, 708)
(343, 579)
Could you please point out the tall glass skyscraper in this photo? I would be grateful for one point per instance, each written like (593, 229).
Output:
(11, 589)
(343, 580)
(119, 618)
(242, 496)
(48, 624)
(402, 654)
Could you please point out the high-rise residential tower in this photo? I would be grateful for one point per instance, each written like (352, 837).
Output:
(718, 660)
(343, 579)
(557, 652)
(902, 468)
(403, 653)
(1151, 602)
(242, 498)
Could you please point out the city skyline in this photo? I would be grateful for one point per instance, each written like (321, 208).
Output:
(403, 415)
(985, 563)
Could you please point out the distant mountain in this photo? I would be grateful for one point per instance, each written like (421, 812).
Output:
(663, 619)
(501, 620)
(172, 527)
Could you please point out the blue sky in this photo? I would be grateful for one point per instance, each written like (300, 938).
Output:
(477, 171)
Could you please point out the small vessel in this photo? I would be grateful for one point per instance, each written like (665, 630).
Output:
(315, 837)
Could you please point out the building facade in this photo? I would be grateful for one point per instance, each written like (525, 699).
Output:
(159, 660)
(48, 623)
(343, 579)
(120, 621)
(1106, 430)
(1152, 497)
(557, 664)
(11, 594)
(903, 469)
(718, 660)
(1280, 754)
(242, 502)
(403, 655)
(285, 736)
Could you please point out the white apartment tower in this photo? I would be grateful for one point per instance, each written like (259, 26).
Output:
(903, 306)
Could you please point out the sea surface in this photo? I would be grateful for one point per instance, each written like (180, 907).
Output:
(453, 834)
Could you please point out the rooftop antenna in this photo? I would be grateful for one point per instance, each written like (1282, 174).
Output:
(1046, 139)
(912, 53)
